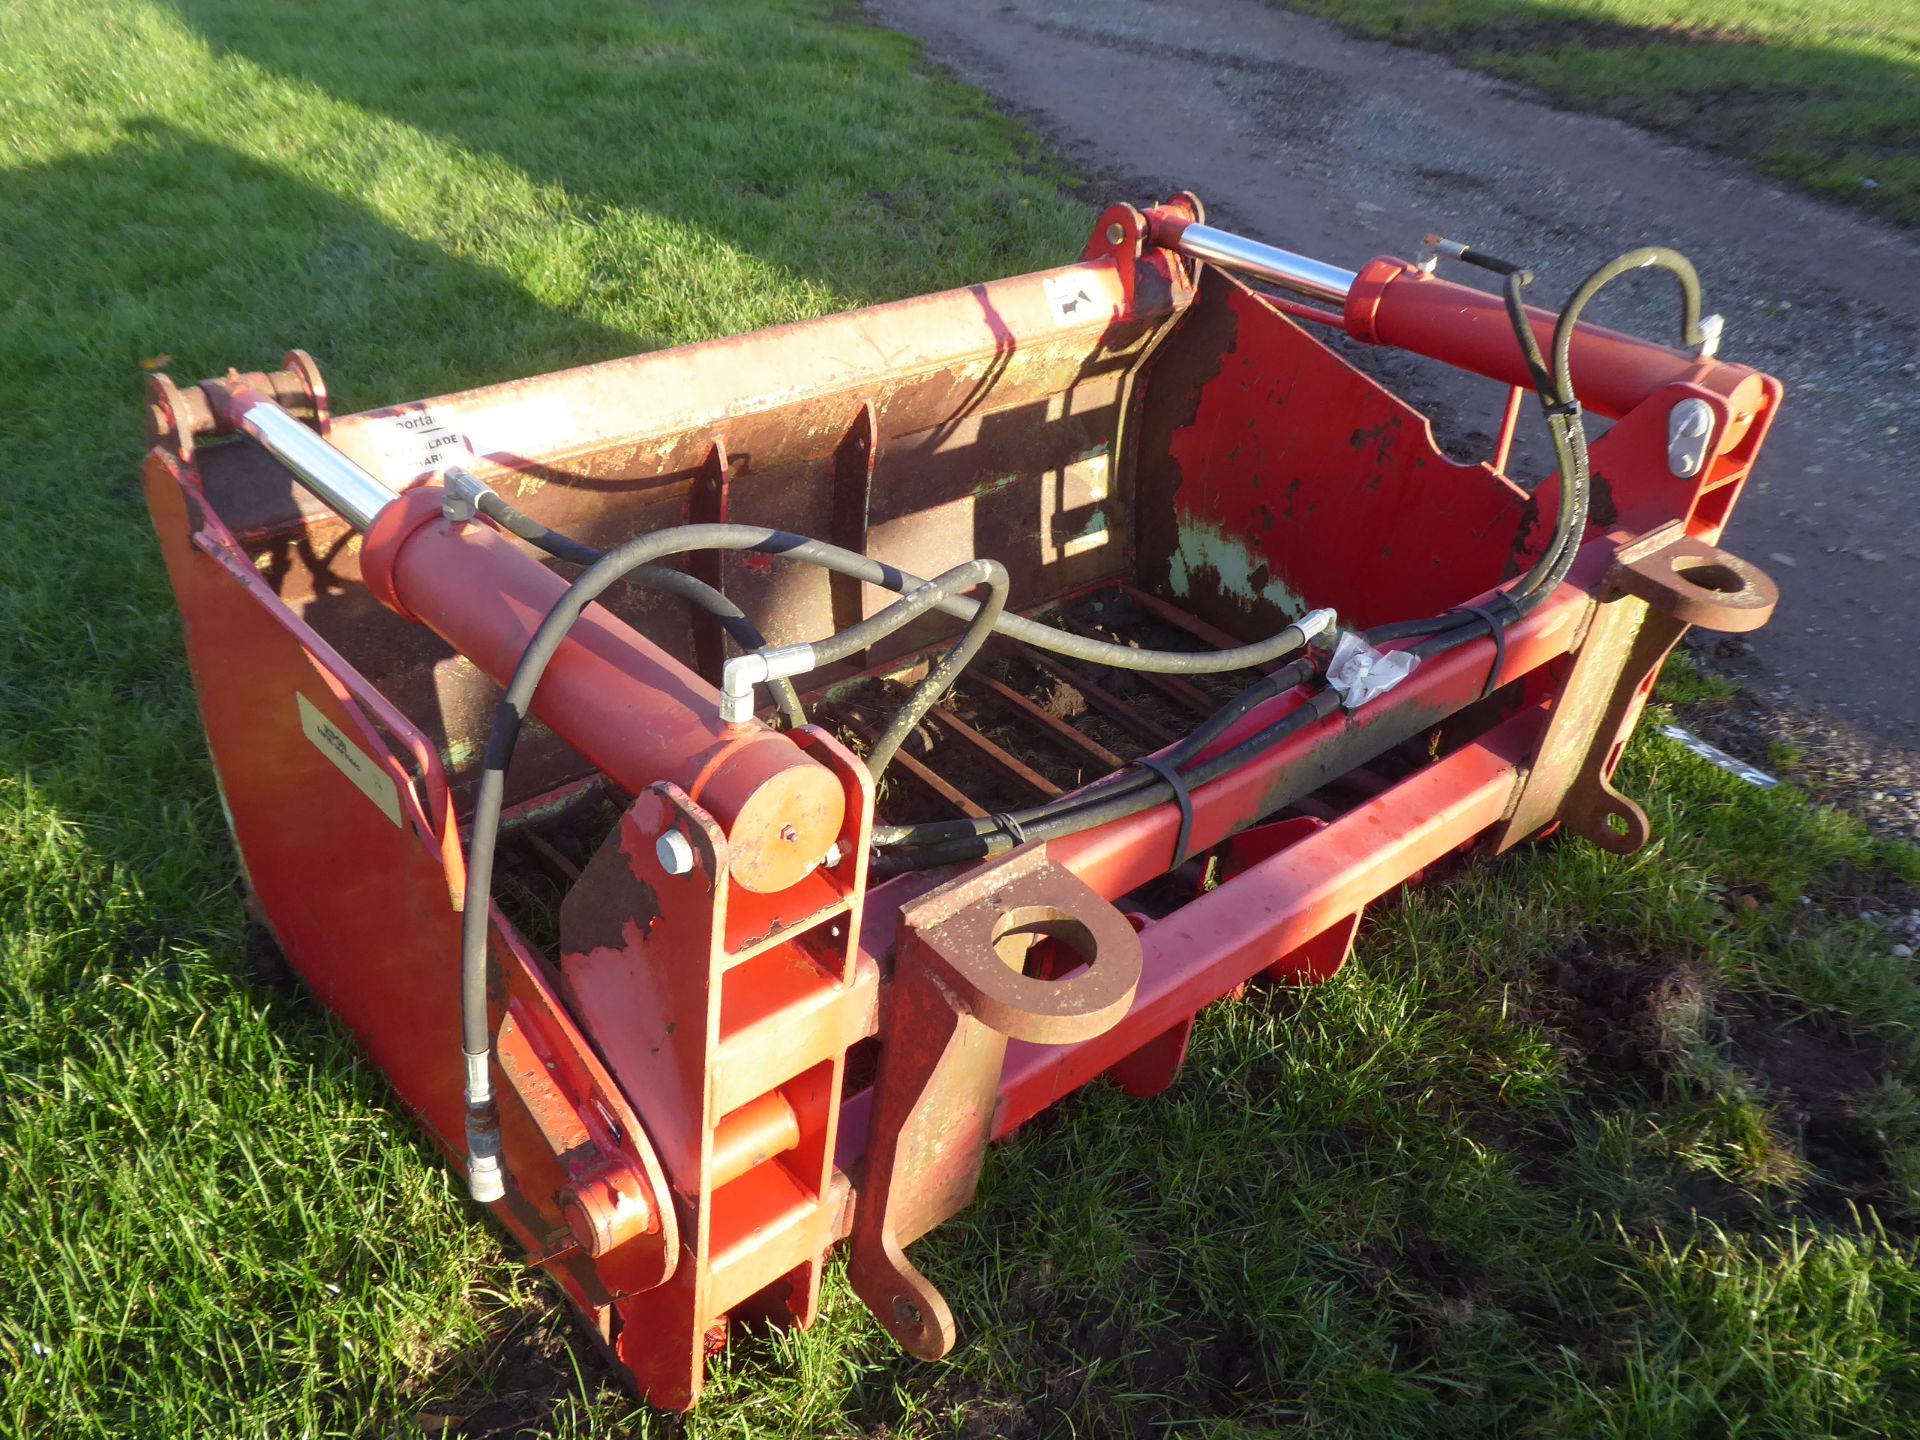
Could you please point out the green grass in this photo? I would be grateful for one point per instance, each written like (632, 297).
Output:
(1461, 1185)
(1825, 93)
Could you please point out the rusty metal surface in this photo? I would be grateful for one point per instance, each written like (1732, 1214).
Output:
(1126, 716)
(1209, 635)
(850, 472)
(1658, 585)
(1012, 702)
(1275, 478)
(1697, 583)
(1013, 462)
(1007, 764)
(710, 503)
(1183, 693)
(957, 996)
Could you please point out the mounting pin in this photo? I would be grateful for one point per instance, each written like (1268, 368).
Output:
(675, 853)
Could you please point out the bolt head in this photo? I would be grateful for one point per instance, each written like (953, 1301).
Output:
(675, 853)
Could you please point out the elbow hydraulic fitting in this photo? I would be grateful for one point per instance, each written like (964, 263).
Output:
(461, 494)
(756, 667)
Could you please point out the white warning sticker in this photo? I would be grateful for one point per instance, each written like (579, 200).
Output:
(1071, 297)
(419, 442)
(353, 762)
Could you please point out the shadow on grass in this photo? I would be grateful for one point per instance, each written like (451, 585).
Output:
(168, 242)
(121, 950)
(780, 132)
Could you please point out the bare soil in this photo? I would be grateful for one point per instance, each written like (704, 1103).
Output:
(1639, 1023)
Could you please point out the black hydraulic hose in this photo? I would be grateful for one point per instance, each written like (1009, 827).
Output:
(562, 547)
(516, 704)
(615, 564)
(1128, 780)
(925, 596)
(948, 841)
(940, 678)
(1106, 804)
(1014, 627)
(667, 581)
(1558, 400)
(1553, 383)
(1646, 257)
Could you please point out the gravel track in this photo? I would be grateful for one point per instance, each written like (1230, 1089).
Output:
(1345, 148)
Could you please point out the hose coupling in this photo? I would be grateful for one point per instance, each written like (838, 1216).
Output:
(461, 494)
(1316, 623)
(486, 1176)
(486, 1179)
(756, 667)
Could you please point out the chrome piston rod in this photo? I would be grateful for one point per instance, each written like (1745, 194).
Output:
(1299, 273)
(353, 493)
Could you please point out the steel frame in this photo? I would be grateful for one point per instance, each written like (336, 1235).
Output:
(679, 1144)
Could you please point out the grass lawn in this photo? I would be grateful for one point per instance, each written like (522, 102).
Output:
(1576, 1145)
(1823, 92)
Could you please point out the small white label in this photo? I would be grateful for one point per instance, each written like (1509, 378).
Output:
(419, 442)
(1071, 297)
(353, 762)
(530, 425)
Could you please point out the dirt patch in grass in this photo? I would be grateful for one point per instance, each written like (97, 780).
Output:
(1103, 1372)
(508, 1386)
(1659, 1027)
(1623, 1015)
(1815, 1079)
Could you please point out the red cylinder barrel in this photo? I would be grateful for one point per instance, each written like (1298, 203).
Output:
(621, 701)
(1393, 303)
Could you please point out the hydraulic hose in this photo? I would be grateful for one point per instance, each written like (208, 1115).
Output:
(1176, 755)
(742, 631)
(926, 595)
(1107, 803)
(1553, 384)
(1646, 257)
(887, 577)
(516, 704)
(947, 670)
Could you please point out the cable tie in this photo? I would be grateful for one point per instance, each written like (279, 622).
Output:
(1497, 627)
(1182, 796)
(1569, 410)
(1005, 820)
